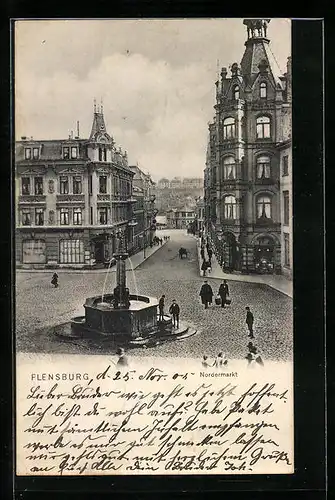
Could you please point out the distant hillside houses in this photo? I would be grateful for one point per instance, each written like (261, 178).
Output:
(181, 183)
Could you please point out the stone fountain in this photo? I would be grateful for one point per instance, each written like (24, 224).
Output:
(122, 316)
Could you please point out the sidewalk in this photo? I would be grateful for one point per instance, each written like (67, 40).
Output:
(275, 281)
(136, 260)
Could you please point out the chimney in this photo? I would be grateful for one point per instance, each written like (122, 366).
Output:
(23, 138)
(77, 136)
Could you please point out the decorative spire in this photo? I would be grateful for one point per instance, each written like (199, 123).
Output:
(256, 28)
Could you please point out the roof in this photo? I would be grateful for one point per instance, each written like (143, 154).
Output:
(258, 50)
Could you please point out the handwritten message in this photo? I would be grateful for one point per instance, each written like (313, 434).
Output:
(146, 419)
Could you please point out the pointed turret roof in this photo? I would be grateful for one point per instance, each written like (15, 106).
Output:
(98, 125)
(258, 54)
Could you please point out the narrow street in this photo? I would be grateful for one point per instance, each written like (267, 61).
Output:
(38, 306)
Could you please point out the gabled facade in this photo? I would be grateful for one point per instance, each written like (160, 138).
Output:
(72, 197)
(242, 175)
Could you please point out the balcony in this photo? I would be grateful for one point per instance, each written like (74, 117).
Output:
(103, 197)
(265, 181)
(28, 199)
(70, 198)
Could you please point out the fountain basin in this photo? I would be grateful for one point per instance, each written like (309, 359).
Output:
(140, 319)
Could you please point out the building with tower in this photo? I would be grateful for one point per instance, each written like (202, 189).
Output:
(246, 145)
(72, 197)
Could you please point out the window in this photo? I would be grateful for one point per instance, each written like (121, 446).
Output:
(90, 184)
(39, 217)
(91, 215)
(71, 251)
(26, 218)
(77, 185)
(74, 152)
(38, 185)
(105, 154)
(34, 252)
(66, 153)
(64, 216)
(263, 167)
(228, 128)
(25, 184)
(287, 249)
(100, 154)
(27, 153)
(263, 90)
(64, 185)
(264, 207)
(103, 215)
(236, 92)
(103, 184)
(286, 207)
(285, 165)
(230, 207)
(36, 153)
(263, 127)
(229, 168)
(77, 216)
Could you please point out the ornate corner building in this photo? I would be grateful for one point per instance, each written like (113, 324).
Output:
(247, 179)
(72, 197)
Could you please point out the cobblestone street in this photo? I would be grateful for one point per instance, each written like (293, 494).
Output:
(39, 305)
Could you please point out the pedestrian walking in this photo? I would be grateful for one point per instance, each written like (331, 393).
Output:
(204, 267)
(202, 253)
(223, 292)
(206, 294)
(161, 305)
(220, 361)
(123, 360)
(206, 363)
(175, 311)
(54, 280)
(250, 322)
(210, 254)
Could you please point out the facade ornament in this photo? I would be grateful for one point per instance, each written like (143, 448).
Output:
(51, 186)
(51, 217)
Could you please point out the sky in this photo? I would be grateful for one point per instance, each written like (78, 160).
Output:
(155, 79)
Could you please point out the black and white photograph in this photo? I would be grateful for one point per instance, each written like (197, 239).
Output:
(154, 246)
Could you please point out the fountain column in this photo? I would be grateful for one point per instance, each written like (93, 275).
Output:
(121, 292)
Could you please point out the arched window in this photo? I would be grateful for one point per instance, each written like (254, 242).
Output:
(230, 207)
(263, 127)
(263, 90)
(263, 170)
(228, 128)
(236, 92)
(229, 168)
(263, 207)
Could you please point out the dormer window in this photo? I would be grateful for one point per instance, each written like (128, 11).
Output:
(66, 153)
(263, 90)
(74, 152)
(236, 92)
(27, 153)
(36, 153)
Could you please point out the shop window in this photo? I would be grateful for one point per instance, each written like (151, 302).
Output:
(71, 252)
(263, 127)
(263, 167)
(38, 185)
(25, 185)
(34, 252)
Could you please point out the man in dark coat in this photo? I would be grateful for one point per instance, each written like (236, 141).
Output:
(204, 267)
(175, 311)
(210, 254)
(202, 253)
(206, 294)
(161, 304)
(224, 292)
(250, 322)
